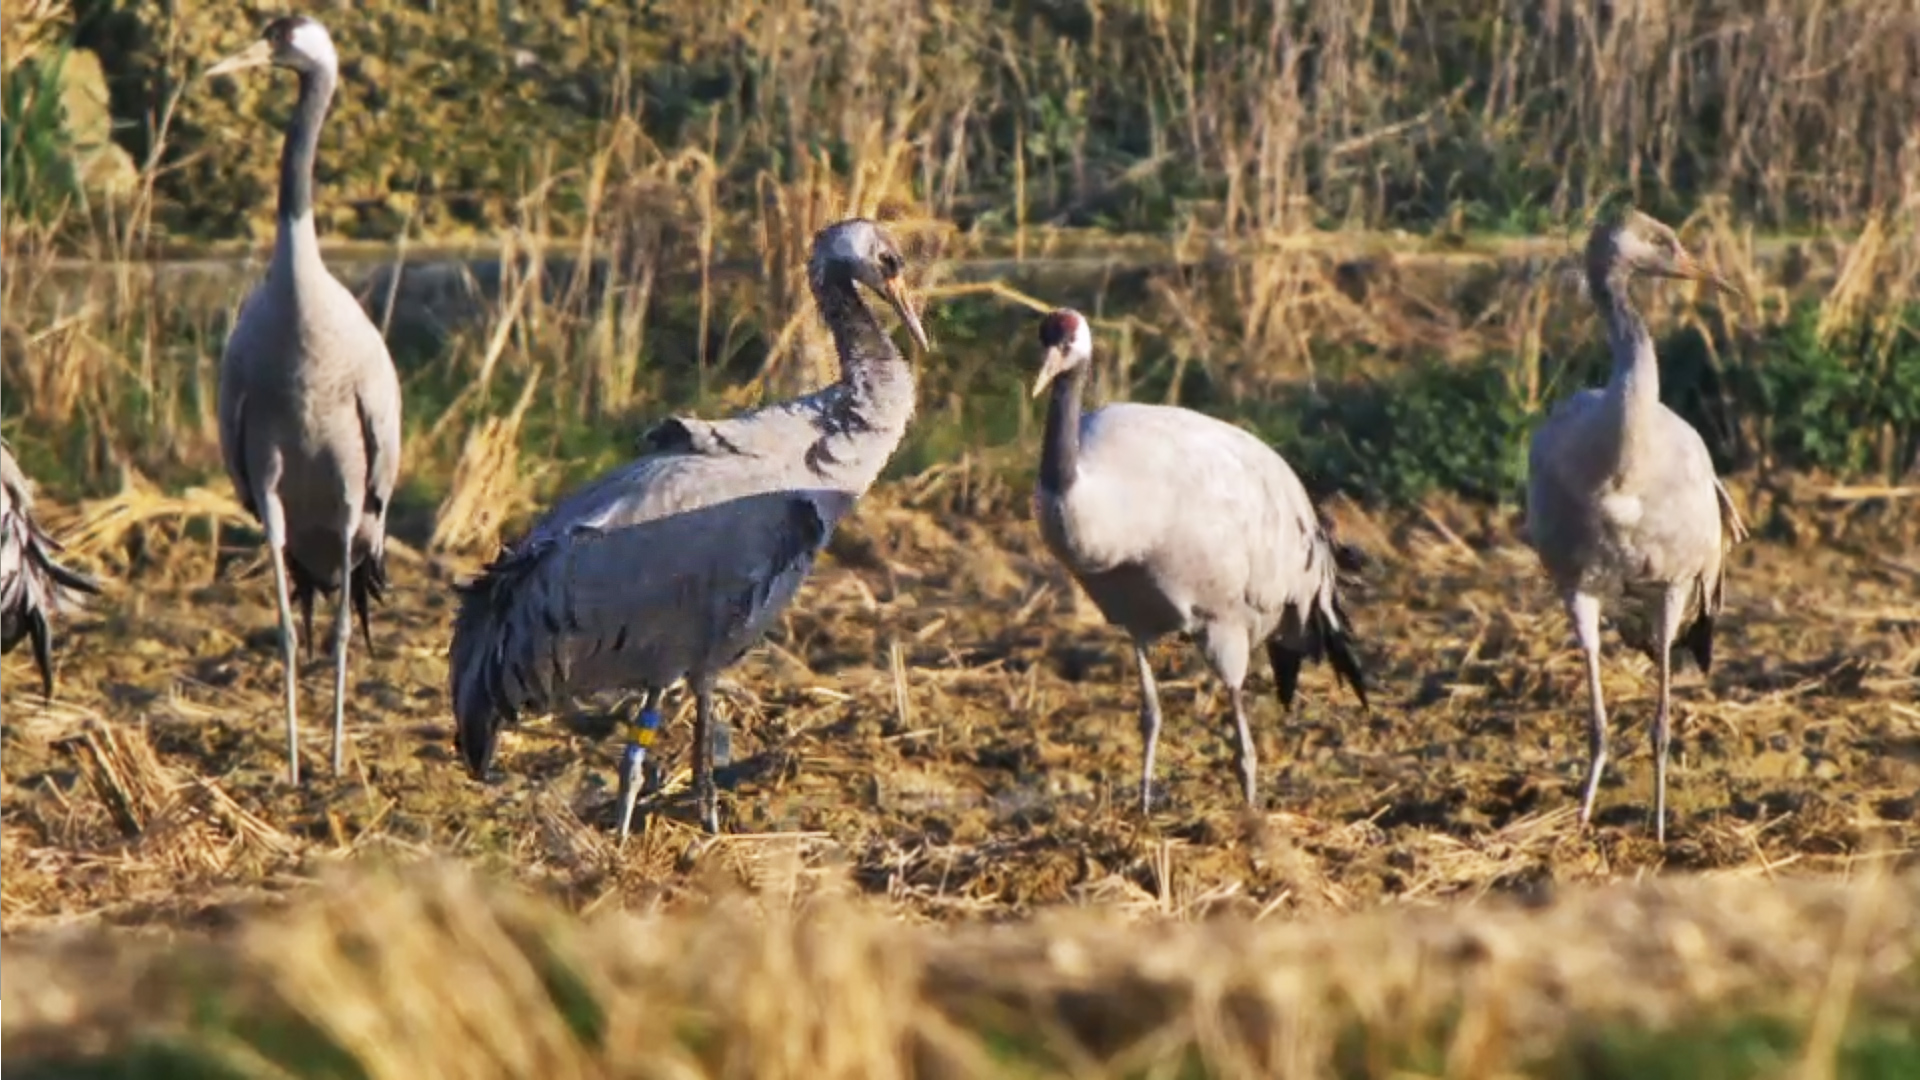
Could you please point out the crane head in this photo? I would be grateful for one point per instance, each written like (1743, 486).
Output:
(1625, 239)
(859, 248)
(1066, 345)
(291, 41)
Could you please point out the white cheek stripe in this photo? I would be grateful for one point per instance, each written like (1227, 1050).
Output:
(312, 40)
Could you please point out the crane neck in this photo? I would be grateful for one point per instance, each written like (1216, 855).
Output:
(871, 367)
(297, 240)
(1634, 387)
(1060, 446)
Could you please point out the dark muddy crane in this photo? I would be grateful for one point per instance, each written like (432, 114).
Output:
(672, 565)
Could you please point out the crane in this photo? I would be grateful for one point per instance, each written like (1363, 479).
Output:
(1623, 506)
(309, 402)
(32, 581)
(672, 565)
(1176, 522)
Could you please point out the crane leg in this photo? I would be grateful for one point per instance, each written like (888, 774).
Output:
(640, 736)
(342, 636)
(704, 797)
(276, 523)
(1584, 610)
(1243, 755)
(1670, 610)
(1149, 724)
(1228, 650)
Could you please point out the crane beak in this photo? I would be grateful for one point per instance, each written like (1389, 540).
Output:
(896, 293)
(1687, 266)
(1050, 369)
(254, 55)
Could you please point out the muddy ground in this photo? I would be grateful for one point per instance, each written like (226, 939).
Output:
(942, 720)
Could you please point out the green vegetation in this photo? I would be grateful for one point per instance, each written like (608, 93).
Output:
(1796, 404)
(36, 184)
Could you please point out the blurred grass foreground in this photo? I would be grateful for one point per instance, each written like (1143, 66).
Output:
(425, 971)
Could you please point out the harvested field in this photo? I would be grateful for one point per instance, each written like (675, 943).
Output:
(945, 730)
(945, 718)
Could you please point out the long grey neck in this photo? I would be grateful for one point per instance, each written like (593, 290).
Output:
(1635, 384)
(303, 143)
(1060, 446)
(878, 379)
(296, 233)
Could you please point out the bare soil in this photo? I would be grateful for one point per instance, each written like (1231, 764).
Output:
(946, 724)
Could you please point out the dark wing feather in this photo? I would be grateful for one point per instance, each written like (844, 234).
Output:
(630, 608)
(33, 581)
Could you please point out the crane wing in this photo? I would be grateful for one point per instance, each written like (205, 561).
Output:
(32, 582)
(378, 404)
(631, 607)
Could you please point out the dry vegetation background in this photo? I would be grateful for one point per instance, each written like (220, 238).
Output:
(1344, 224)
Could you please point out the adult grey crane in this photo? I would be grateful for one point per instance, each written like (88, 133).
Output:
(32, 581)
(672, 565)
(309, 399)
(1622, 501)
(1174, 521)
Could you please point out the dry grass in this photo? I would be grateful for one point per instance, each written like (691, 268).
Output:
(427, 971)
(655, 268)
(941, 734)
(1236, 117)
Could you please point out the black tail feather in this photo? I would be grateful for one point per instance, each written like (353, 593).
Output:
(1349, 558)
(1341, 654)
(50, 579)
(1325, 641)
(1698, 639)
(42, 637)
(366, 586)
(1286, 671)
(65, 576)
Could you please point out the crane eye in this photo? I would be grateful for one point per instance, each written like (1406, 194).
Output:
(891, 263)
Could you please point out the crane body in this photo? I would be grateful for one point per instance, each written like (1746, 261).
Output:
(309, 401)
(1177, 522)
(1623, 506)
(672, 565)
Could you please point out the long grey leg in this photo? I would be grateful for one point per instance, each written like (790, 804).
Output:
(1670, 608)
(640, 735)
(1584, 610)
(342, 635)
(1243, 756)
(704, 796)
(275, 520)
(1149, 724)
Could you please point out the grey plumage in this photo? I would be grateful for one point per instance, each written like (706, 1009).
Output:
(309, 400)
(1622, 503)
(1175, 522)
(672, 565)
(33, 584)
